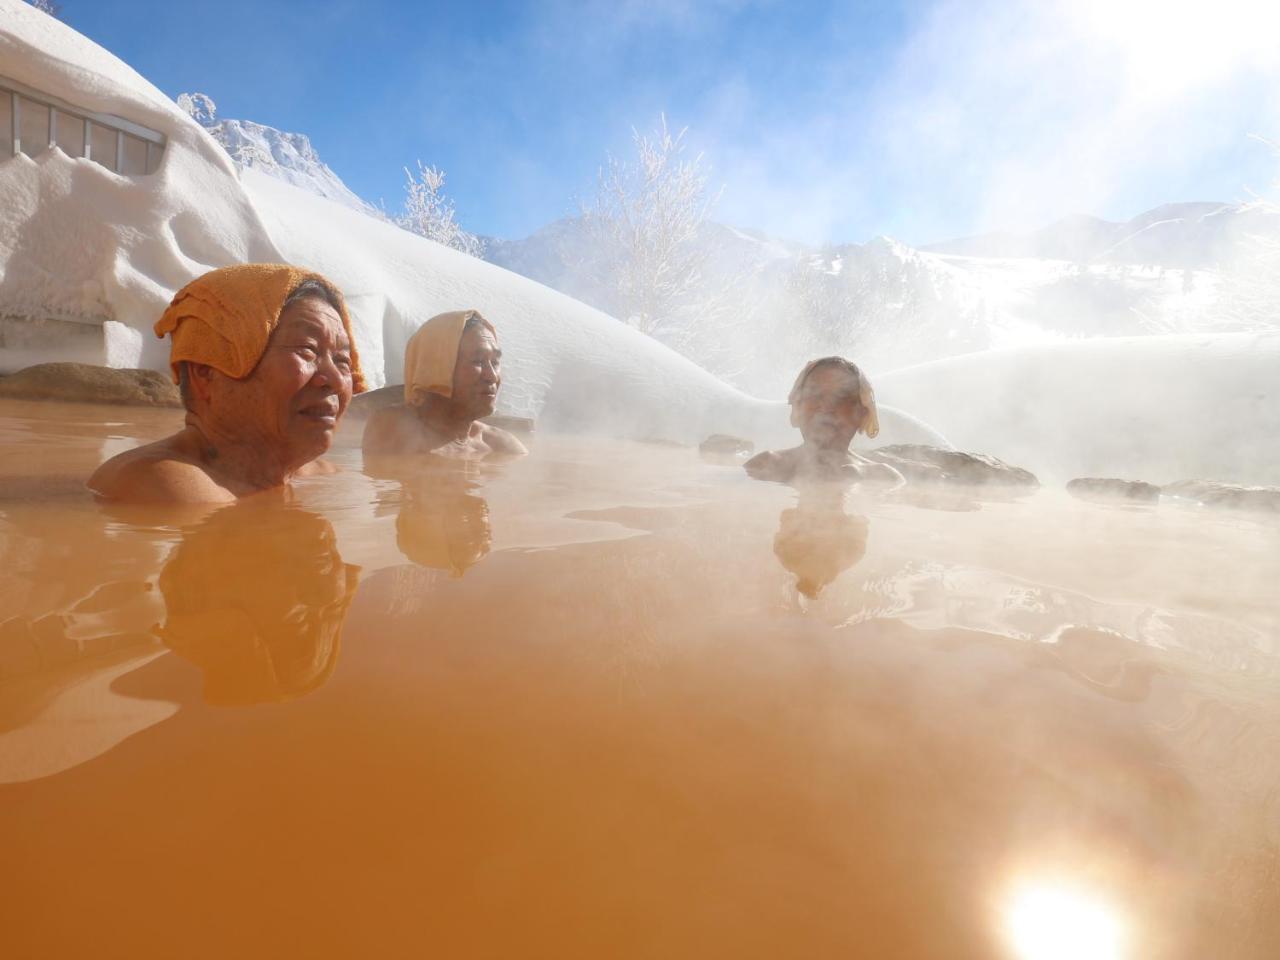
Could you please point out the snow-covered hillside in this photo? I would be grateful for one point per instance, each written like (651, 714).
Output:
(1194, 236)
(286, 156)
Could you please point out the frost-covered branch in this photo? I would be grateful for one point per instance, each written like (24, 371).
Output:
(645, 221)
(429, 213)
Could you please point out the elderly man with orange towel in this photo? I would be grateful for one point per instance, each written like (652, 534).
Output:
(831, 402)
(452, 372)
(266, 363)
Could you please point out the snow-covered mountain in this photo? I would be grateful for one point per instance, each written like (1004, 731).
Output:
(1197, 236)
(288, 157)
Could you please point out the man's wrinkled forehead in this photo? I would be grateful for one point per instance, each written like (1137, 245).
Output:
(830, 378)
(479, 336)
(312, 316)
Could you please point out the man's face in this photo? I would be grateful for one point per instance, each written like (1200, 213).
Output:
(478, 373)
(292, 401)
(830, 410)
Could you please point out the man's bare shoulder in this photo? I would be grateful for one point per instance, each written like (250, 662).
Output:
(160, 472)
(390, 430)
(502, 441)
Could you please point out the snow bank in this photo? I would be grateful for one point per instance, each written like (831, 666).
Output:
(1144, 408)
(78, 242)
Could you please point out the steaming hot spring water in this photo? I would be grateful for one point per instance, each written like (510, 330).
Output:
(613, 700)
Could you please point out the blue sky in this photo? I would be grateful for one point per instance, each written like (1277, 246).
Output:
(823, 121)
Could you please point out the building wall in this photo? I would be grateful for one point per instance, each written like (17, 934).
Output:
(24, 342)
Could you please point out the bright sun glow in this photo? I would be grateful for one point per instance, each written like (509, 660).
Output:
(1047, 921)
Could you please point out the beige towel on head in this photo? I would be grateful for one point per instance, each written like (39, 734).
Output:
(866, 396)
(432, 353)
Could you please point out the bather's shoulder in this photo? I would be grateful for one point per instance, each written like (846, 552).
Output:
(502, 441)
(157, 472)
(390, 430)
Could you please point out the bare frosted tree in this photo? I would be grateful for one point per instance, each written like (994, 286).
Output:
(645, 222)
(429, 213)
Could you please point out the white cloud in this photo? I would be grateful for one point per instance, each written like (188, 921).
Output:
(1003, 115)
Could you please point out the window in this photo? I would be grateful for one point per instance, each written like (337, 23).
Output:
(31, 122)
(102, 145)
(133, 156)
(33, 127)
(69, 134)
(6, 124)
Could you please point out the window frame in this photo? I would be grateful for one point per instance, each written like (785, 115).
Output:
(19, 93)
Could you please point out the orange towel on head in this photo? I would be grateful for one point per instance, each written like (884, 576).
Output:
(432, 353)
(866, 396)
(225, 318)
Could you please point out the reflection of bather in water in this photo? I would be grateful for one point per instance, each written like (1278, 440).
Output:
(817, 540)
(266, 363)
(442, 524)
(256, 596)
(452, 372)
(831, 402)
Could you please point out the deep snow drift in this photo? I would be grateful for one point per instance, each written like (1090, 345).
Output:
(78, 242)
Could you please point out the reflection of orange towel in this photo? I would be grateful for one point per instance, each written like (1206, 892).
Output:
(224, 318)
(866, 396)
(256, 595)
(432, 353)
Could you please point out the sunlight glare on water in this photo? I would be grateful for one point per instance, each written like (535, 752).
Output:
(1054, 920)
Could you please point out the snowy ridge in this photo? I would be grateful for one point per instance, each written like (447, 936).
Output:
(1196, 236)
(289, 157)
